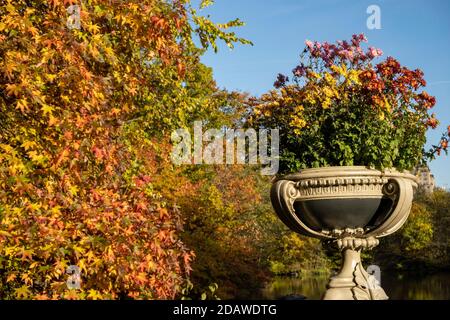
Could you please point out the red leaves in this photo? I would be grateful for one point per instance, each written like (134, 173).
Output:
(432, 122)
(159, 22)
(389, 67)
(426, 100)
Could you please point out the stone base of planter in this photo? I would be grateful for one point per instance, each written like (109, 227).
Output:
(353, 282)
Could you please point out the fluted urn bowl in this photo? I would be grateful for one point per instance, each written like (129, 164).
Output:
(350, 207)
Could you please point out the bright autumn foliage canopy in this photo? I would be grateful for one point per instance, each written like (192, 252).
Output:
(80, 114)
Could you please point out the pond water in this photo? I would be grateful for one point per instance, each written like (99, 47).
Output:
(397, 287)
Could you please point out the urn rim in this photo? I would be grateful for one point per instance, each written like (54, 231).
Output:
(347, 171)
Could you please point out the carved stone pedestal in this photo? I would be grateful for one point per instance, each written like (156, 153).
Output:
(353, 282)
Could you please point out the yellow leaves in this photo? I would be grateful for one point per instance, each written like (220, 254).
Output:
(82, 263)
(54, 3)
(10, 8)
(50, 77)
(78, 250)
(353, 76)
(123, 19)
(298, 123)
(22, 293)
(60, 267)
(109, 52)
(299, 109)
(93, 50)
(341, 70)
(54, 77)
(115, 111)
(30, 11)
(72, 295)
(387, 105)
(34, 206)
(151, 266)
(73, 190)
(93, 28)
(385, 108)
(65, 98)
(56, 210)
(329, 79)
(328, 92)
(5, 233)
(10, 65)
(94, 294)
(90, 256)
(134, 7)
(6, 148)
(310, 98)
(67, 57)
(38, 159)
(10, 251)
(46, 109)
(29, 144)
(326, 103)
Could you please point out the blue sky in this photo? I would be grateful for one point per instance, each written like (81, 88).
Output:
(416, 32)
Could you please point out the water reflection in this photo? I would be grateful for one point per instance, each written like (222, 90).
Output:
(397, 287)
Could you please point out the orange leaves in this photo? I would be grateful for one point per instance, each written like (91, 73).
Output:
(13, 89)
(181, 68)
(26, 255)
(22, 105)
(61, 158)
(99, 153)
(187, 258)
(11, 277)
(158, 22)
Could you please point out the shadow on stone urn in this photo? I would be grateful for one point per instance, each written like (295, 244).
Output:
(349, 208)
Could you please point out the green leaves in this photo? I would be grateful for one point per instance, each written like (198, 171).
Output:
(208, 32)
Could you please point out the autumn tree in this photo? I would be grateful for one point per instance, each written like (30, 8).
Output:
(82, 112)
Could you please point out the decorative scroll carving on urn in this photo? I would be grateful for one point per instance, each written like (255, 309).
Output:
(349, 207)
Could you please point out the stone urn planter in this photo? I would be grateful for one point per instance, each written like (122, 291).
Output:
(350, 208)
